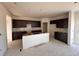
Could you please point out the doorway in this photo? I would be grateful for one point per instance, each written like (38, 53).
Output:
(45, 25)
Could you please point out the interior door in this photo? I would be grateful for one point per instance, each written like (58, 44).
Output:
(45, 27)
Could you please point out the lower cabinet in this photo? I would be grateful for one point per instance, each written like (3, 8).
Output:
(18, 35)
(61, 36)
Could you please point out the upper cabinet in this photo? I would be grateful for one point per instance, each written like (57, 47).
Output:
(60, 23)
(23, 23)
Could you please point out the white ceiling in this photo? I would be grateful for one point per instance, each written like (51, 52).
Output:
(39, 9)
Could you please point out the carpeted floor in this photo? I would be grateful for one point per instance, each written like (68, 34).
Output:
(53, 48)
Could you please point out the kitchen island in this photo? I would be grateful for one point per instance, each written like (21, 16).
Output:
(33, 40)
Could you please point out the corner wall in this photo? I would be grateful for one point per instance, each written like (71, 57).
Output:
(3, 36)
(71, 28)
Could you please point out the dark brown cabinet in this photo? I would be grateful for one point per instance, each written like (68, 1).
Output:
(61, 36)
(23, 24)
(60, 23)
(18, 35)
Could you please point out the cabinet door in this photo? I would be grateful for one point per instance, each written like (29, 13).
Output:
(61, 36)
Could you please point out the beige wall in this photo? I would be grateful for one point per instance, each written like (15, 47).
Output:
(25, 18)
(76, 30)
(60, 16)
(3, 37)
